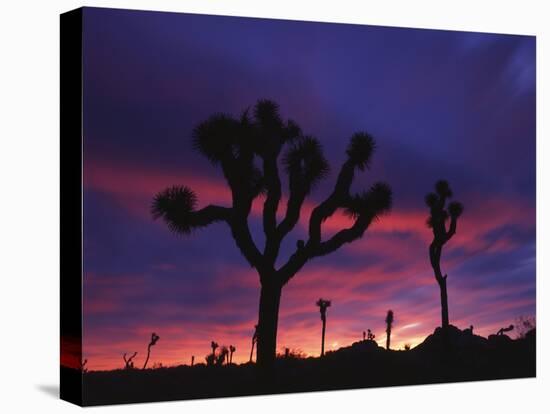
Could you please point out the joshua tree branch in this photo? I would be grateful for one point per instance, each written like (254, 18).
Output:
(452, 229)
(210, 214)
(331, 204)
(241, 234)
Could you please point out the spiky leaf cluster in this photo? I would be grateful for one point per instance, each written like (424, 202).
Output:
(372, 203)
(360, 150)
(175, 206)
(305, 163)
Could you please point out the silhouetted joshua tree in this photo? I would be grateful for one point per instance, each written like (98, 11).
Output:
(232, 350)
(323, 305)
(439, 215)
(214, 346)
(254, 340)
(154, 339)
(83, 366)
(192, 360)
(370, 335)
(210, 359)
(501, 331)
(222, 355)
(247, 149)
(128, 363)
(364, 335)
(389, 323)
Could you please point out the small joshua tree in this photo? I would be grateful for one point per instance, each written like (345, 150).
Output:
(370, 335)
(232, 350)
(83, 366)
(210, 359)
(192, 360)
(222, 356)
(323, 305)
(501, 331)
(214, 346)
(364, 335)
(439, 215)
(254, 340)
(128, 363)
(389, 323)
(154, 339)
(249, 150)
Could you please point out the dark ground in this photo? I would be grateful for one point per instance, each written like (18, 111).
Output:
(454, 357)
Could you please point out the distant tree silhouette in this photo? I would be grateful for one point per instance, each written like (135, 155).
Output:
(323, 305)
(210, 359)
(222, 355)
(407, 347)
(232, 350)
(370, 335)
(469, 330)
(247, 150)
(439, 215)
(83, 366)
(128, 363)
(214, 346)
(254, 340)
(192, 360)
(389, 323)
(364, 335)
(524, 324)
(501, 331)
(154, 339)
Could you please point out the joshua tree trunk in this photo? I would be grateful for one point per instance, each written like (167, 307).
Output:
(323, 337)
(270, 298)
(148, 354)
(444, 306)
(251, 351)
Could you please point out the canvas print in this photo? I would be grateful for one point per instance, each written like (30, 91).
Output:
(272, 206)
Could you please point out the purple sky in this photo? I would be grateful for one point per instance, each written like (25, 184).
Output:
(440, 104)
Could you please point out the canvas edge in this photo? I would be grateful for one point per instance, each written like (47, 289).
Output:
(71, 203)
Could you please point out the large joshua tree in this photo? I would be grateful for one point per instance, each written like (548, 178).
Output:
(389, 323)
(443, 231)
(250, 151)
(323, 305)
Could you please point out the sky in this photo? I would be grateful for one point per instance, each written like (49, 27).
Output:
(440, 104)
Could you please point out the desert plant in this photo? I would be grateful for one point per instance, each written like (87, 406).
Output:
(407, 347)
(254, 340)
(128, 363)
(437, 221)
(232, 350)
(370, 335)
(247, 149)
(291, 354)
(524, 324)
(83, 367)
(502, 331)
(210, 359)
(222, 355)
(154, 339)
(389, 323)
(214, 346)
(323, 305)
(364, 335)
(192, 360)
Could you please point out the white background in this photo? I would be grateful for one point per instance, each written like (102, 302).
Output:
(29, 206)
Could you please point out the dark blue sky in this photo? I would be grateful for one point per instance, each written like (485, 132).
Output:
(440, 104)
